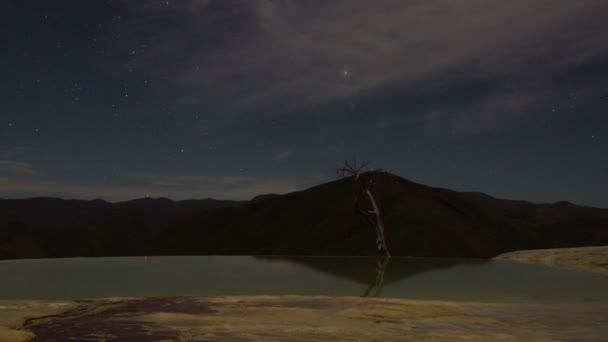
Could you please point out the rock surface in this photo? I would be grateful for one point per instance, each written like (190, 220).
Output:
(314, 318)
(593, 259)
(14, 314)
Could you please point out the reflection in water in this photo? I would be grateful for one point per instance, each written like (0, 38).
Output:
(359, 269)
(378, 283)
(416, 278)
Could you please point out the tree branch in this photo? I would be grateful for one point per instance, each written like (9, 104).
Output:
(362, 182)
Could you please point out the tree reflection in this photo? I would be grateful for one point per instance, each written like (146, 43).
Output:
(378, 283)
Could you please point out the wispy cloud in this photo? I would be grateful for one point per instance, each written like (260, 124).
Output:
(224, 187)
(487, 113)
(283, 155)
(17, 168)
(17, 161)
(20, 153)
(157, 185)
(271, 57)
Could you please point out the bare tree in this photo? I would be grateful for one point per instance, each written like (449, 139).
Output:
(363, 182)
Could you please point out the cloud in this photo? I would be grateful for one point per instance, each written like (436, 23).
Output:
(223, 187)
(158, 185)
(19, 153)
(19, 178)
(17, 161)
(268, 58)
(16, 168)
(283, 155)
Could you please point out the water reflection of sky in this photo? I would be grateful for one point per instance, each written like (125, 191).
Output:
(420, 278)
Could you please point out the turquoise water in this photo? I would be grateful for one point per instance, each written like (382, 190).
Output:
(418, 278)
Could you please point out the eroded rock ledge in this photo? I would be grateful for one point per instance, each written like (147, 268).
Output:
(312, 318)
(592, 259)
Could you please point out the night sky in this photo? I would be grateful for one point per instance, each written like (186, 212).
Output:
(117, 99)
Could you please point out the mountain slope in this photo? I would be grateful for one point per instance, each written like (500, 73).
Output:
(55, 211)
(420, 221)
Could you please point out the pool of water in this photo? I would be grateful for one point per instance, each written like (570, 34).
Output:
(417, 278)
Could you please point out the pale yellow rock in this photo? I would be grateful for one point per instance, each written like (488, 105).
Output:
(14, 313)
(304, 319)
(592, 259)
(314, 318)
(10, 335)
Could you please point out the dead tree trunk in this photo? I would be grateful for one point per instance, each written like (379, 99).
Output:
(363, 183)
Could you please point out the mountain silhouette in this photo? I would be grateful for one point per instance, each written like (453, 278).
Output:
(420, 221)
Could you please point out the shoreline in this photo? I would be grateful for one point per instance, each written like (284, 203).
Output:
(588, 259)
(313, 318)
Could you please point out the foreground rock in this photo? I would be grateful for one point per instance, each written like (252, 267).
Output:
(314, 318)
(593, 259)
(14, 314)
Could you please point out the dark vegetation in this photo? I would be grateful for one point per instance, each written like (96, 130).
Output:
(419, 221)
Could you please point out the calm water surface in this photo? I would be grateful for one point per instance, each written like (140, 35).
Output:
(418, 278)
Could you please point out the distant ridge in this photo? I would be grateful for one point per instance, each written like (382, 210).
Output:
(56, 211)
(420, 221)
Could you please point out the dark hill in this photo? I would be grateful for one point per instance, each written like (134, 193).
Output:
(47, 211)
(420, 221)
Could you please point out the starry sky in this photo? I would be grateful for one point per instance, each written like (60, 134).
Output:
(116, 99)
